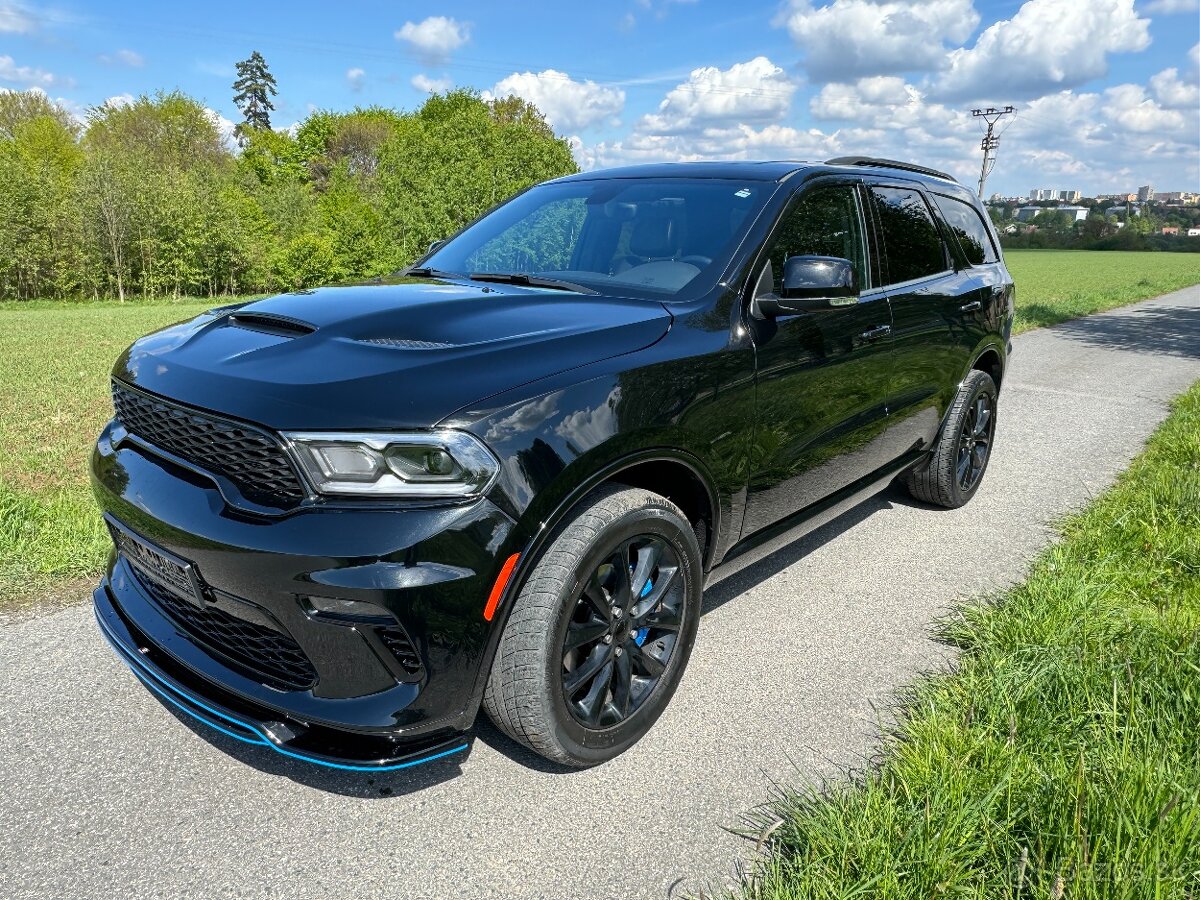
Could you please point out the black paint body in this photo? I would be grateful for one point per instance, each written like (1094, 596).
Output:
(757, 427)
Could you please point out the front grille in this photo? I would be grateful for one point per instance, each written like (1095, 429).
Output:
(398, 642)
(272, 657)
(251, 459)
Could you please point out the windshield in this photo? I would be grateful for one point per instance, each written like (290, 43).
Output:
(640, 237)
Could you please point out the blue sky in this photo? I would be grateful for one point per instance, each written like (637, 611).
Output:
(1107, 90)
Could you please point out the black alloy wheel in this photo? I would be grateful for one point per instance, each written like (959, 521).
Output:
(959, 456)
(600, 631)
(622, 632)
(974, 443)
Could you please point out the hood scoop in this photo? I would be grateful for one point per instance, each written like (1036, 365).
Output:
(271, 323)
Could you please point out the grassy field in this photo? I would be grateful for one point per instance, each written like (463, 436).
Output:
(55, 359)
(54, 365)
(1062, 758)
(1057, 285)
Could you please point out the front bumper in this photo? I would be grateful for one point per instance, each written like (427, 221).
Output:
(235, 717)
(429, 568)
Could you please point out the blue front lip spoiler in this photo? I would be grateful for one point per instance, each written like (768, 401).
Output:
(242, 729)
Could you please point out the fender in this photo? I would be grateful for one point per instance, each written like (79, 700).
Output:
(544, 529)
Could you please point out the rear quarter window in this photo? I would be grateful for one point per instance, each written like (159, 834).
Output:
(968, 226)
(912, 244)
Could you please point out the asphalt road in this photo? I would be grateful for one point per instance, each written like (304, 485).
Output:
(105, 793)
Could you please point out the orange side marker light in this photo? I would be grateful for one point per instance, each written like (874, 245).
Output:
(498, 588)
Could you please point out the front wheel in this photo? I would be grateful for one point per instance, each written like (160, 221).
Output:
(601, 632)
(963, 449)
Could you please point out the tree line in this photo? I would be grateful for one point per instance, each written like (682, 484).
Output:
(1107, 227)
(148, 199)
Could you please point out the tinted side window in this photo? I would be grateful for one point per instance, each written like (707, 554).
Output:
(912, 246)
(824, 222)
(968, 227)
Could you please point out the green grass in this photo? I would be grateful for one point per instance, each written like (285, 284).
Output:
(1062, 757)
(54, 367)
(1057, 285)
(55, 358)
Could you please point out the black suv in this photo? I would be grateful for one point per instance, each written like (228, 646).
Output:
(345, 518)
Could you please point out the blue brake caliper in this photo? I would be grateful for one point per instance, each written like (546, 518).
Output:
(639, 636)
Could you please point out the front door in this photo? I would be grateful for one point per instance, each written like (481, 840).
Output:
(823, 375)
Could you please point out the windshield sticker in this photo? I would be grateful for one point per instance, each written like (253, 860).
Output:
(744, 192)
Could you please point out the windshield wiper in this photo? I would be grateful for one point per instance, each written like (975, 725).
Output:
(526, 280)
(423, 272)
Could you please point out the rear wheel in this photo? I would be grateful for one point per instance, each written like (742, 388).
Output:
(601, 632)
(960, 456)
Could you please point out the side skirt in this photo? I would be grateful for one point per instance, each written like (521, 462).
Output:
(763, 543)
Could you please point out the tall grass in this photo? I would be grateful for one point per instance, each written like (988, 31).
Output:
(1062, 757)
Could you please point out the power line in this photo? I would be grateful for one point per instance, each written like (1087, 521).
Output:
(991, 140)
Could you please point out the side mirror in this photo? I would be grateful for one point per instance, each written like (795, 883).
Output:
(819, 278)
(434, 245)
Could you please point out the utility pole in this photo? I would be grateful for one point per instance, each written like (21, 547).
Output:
(990, 140)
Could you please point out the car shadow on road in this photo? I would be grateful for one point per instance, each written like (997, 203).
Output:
(1162, 330)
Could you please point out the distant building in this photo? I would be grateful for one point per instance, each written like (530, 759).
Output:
(1193, 232)
(1185, 198)
(1145, 192)
(1170, 229)
(1078, 213)
(1070, 196)
(1121, 198)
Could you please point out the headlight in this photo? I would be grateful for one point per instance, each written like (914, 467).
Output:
(420, 464)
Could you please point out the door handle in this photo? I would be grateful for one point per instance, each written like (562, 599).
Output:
(973, 306)
(874, 334)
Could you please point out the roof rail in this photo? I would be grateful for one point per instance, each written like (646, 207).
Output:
(887, 164)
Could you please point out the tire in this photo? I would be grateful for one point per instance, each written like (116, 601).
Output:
(529, 691)
(941, 480)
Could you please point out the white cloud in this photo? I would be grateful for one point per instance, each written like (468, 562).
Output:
(1168, 7)
(1110, 141)
(1194, 56)
(354, 77)
(435, 38)
(14, 19)
(119, 100)
(1132, 110)
(754, 92)
(26, 75)
(1048, 45)
(854, 101)
(224, 127)
(567, 104)
(851, 38)
(423, 82)
(1171, 91)
(124, 58)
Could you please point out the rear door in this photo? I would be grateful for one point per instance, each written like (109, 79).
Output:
(822, 376)
(926, 292)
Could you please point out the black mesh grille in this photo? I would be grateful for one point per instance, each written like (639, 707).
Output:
(401, 647)
(251, 459)
(273, 657)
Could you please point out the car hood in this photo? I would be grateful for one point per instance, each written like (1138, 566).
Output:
(387, 355)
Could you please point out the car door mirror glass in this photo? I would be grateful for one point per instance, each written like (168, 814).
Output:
(814, 283)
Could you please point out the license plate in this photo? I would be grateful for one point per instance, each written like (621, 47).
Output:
(151, 562)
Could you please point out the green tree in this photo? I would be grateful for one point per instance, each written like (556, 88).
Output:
(255, 86)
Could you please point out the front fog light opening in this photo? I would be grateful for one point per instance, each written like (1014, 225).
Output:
(347, 609)
(423, 464)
